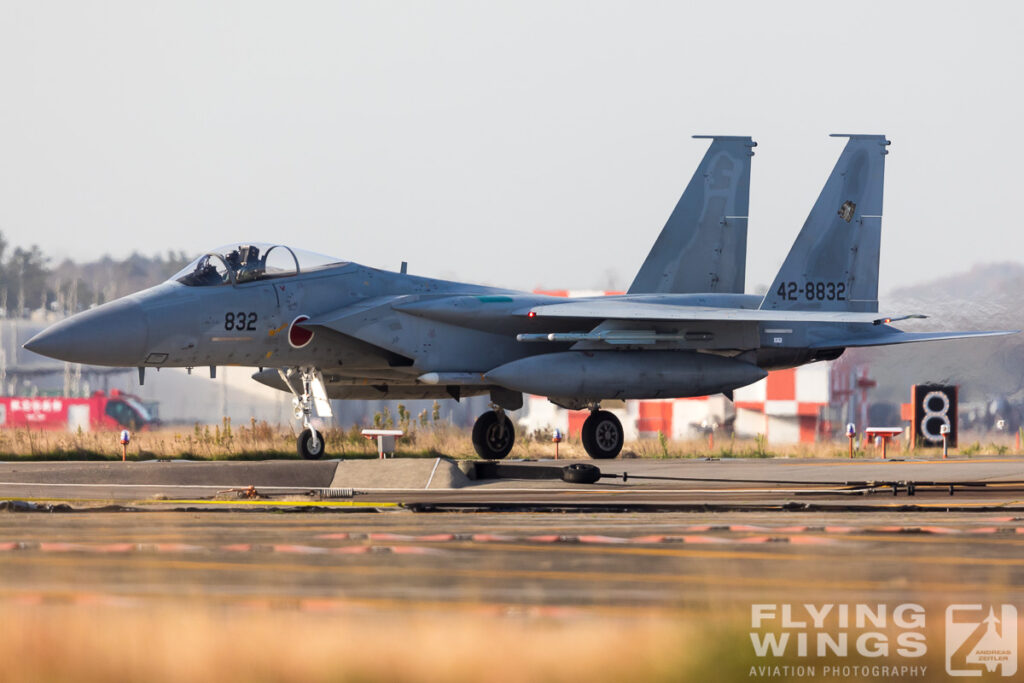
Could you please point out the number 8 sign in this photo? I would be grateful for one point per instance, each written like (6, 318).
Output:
(935, 413)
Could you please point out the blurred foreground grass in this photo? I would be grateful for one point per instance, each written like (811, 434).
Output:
(262, 441)
(72, 643)
(207, 642)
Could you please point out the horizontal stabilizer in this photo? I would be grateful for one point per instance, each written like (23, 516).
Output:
(896, 337)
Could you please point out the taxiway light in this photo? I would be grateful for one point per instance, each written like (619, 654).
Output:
(125, 438)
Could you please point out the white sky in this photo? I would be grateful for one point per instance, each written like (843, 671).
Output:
(513, 143)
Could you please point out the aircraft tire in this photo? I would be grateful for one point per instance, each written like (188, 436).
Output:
(581, 473)
(304, 443)
(493, 440)
(602, 435)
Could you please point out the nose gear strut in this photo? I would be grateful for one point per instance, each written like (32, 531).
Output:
(307, 386)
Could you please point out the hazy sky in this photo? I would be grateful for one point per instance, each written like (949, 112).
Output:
(513, 143)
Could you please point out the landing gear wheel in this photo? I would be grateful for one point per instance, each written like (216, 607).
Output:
(310, 447)
(602, 435)
(493, 435)
(581, 473)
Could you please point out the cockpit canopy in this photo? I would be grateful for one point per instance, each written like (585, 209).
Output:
(241, 263)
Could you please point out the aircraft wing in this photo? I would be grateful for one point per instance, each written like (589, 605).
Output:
(620, 309)
(897, 337)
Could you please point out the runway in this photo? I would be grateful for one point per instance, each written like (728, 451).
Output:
(251, 562)
(738, 532)
(632, 562)
(440, 483)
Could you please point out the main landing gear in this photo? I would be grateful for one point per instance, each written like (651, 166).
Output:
(494, 435)
(602, 435)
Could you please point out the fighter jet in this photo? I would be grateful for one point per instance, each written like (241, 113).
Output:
(321, 328)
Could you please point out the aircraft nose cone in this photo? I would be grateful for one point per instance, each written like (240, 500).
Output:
(112, 334)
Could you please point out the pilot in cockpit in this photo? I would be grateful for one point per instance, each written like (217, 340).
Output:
(250, 267)
(233, 259)
(205, 273)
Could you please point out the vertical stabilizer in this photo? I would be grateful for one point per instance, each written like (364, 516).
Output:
(703, 246)
(833, 264)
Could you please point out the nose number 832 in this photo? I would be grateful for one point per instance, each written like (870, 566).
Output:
(240, 320)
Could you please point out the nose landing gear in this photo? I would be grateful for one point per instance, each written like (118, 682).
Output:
(307, 385)
(310, 444)
(493, 435)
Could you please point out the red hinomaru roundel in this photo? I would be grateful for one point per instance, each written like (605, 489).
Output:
(299, 337)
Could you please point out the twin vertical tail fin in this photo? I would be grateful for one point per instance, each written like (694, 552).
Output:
(703, 246)
(833, 264)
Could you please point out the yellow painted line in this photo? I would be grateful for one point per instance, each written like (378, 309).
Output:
(811, 487)
(65, 500)
(693, 553)
(800, 583)
(152, 501)
(465, 604)
(963, 538)
(747, 554)
(1006, 504)
(271, 503)
(879, 461)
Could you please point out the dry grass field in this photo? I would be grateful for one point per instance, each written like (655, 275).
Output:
(259, 440)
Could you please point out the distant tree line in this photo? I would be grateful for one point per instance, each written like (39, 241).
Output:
(29, 282)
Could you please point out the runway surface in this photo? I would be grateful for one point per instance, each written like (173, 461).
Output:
(628, 562)
(984, 482)
(729, 533)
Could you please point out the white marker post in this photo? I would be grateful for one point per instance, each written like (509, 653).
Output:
(883, 433)
(125, 440)
(944, 430)
(385, 440)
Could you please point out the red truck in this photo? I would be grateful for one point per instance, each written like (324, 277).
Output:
(100, 411)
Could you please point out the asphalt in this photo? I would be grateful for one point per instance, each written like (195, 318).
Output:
(630, 562)
(984, 482)
(310, 534)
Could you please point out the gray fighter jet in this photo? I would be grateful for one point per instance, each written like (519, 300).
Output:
(321, 328)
